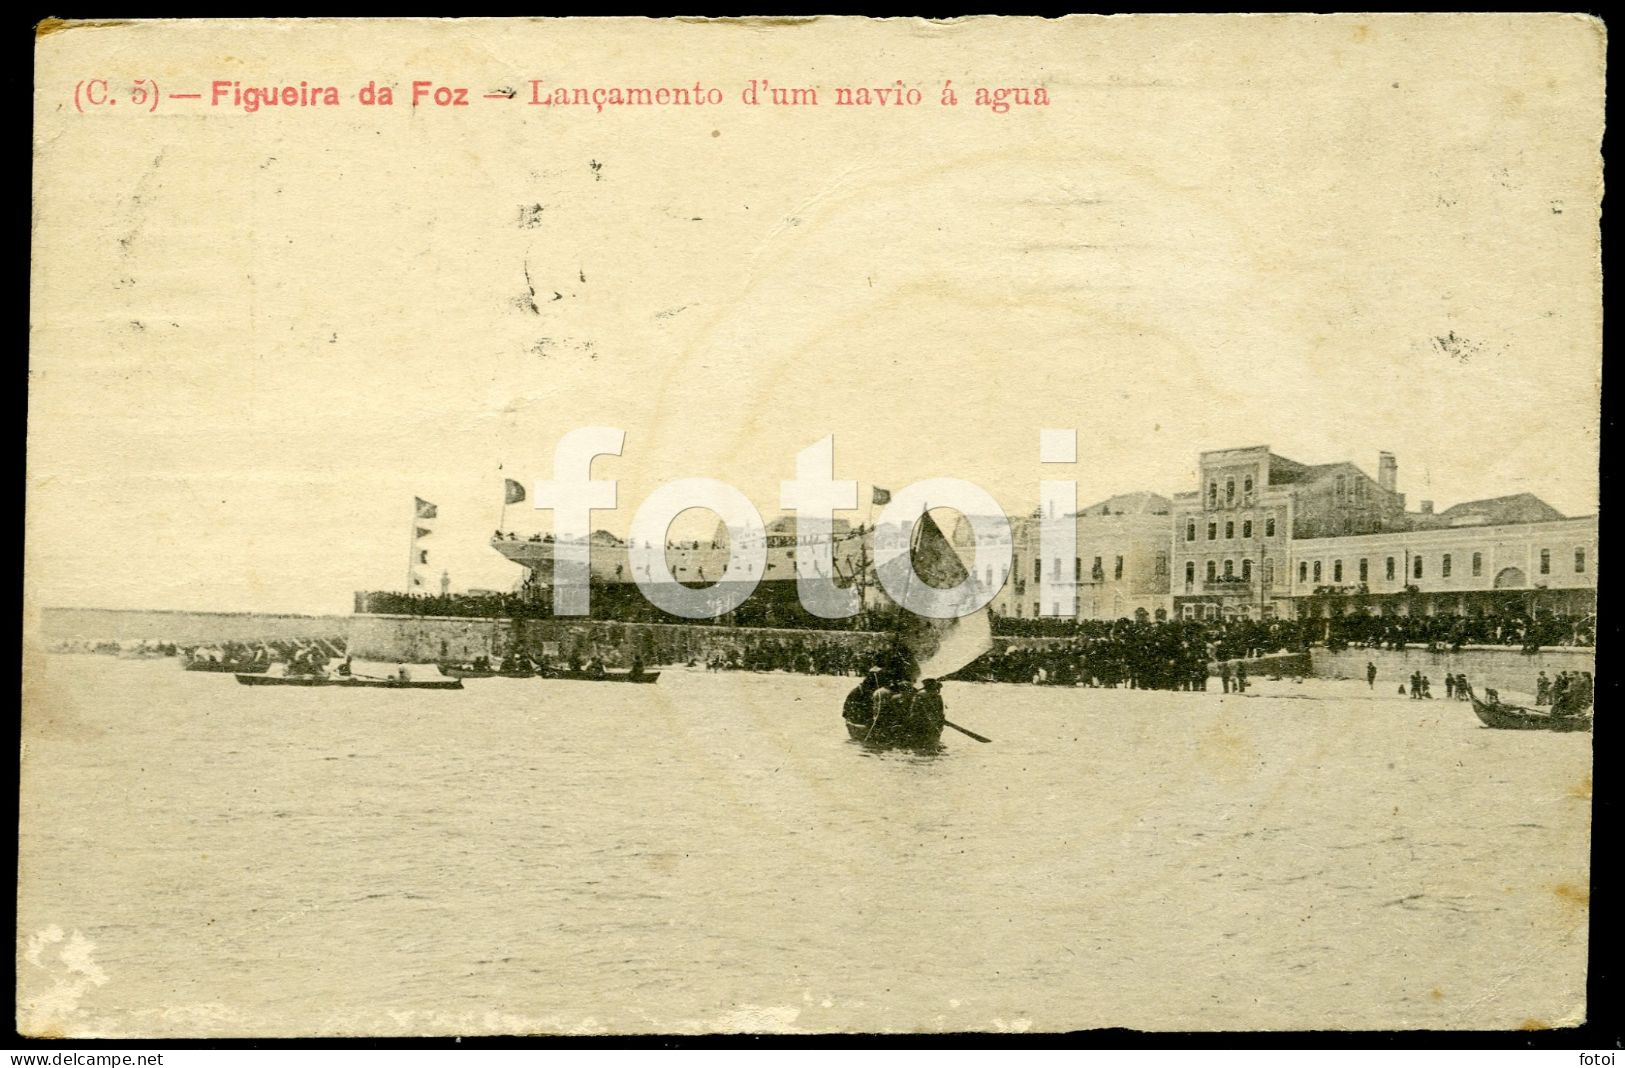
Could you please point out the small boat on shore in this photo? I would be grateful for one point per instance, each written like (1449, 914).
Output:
(645, 677)
(1494, 713)
(350, 682)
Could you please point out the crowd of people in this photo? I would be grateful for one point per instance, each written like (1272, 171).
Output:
(1523, 631)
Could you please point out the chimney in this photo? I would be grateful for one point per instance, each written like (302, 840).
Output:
(1427, 507)
(1387, 471)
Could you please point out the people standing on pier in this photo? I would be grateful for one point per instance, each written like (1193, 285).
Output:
(1543, 689)
(1427, 691)
(1449, 686)
(1224, 675)
(1416, 686)
(1241, 677)
(1370, 675)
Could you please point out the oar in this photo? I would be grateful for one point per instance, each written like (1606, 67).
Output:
(966, 733)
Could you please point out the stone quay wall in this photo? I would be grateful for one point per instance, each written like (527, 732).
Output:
(182, 628)
(425, 639)
(1484, 665)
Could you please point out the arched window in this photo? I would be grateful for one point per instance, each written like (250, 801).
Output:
(1269, 527)
(1317, 570)
(1229, 530)
(1337, 571)
(1246, 570)
(1190, 530)
(1212, 570)
(1229, 569)
(1303, 571)
(1190, 572)
(1229, 491)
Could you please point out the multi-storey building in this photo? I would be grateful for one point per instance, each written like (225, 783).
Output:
(1233, 536)
(1119, 567)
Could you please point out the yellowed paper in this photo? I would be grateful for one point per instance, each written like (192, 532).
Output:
(1315, 300)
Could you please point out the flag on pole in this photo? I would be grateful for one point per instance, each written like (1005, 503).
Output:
(881, 496)
(422, 532)
(512, 492)
(425, 510)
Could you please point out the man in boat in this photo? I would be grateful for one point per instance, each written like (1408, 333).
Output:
(637, 666)
(596, 668)
(926, 707)
(401, 674)
(859, 706)
(344, 668)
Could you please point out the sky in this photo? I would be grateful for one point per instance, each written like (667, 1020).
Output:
(256, 338)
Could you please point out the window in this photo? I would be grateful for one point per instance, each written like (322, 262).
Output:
(1579, 561)
(1416, 567)
(1190, 530)
(1190, 572)
(1055, 568)
(1269, 527)
(1444, 566)
(1117, 568)
(1077, 569)
(1162, 564)
(1478, 563)
(1212, 531)
(1365, 569)
(1229, 569)
(1212, 570)
(1317, 570)
(1337, 571)
(990, 575)
(1545, 561)
(1247, 488)
(1342, 487)
(1229, 491)
(1246, 570)
(1390, 574)
(1035, 609)
(1018, 609)
(1303, 571)
(1038, 570)
(1213, 494)
(1097, 572)
(1229, 530)
(1246, 528)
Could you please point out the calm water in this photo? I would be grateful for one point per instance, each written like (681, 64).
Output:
(711, 853)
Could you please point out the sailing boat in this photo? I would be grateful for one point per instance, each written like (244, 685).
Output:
(922, 647)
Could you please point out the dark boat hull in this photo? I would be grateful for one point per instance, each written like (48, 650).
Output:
(471, 673)
(1515, 718)
(350, 683)
(646, 678)
(896, 736)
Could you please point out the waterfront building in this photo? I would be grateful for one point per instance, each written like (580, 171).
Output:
(1232, 537)
(1120, 566)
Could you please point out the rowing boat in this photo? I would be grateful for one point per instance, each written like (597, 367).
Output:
(645, 678)
(351, 682)
(1494, 713)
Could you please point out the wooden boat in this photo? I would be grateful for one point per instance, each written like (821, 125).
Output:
(645, 678)
(226, 667)
(476, 673)
(350, 682)
(908, 734)
(1493, 713)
